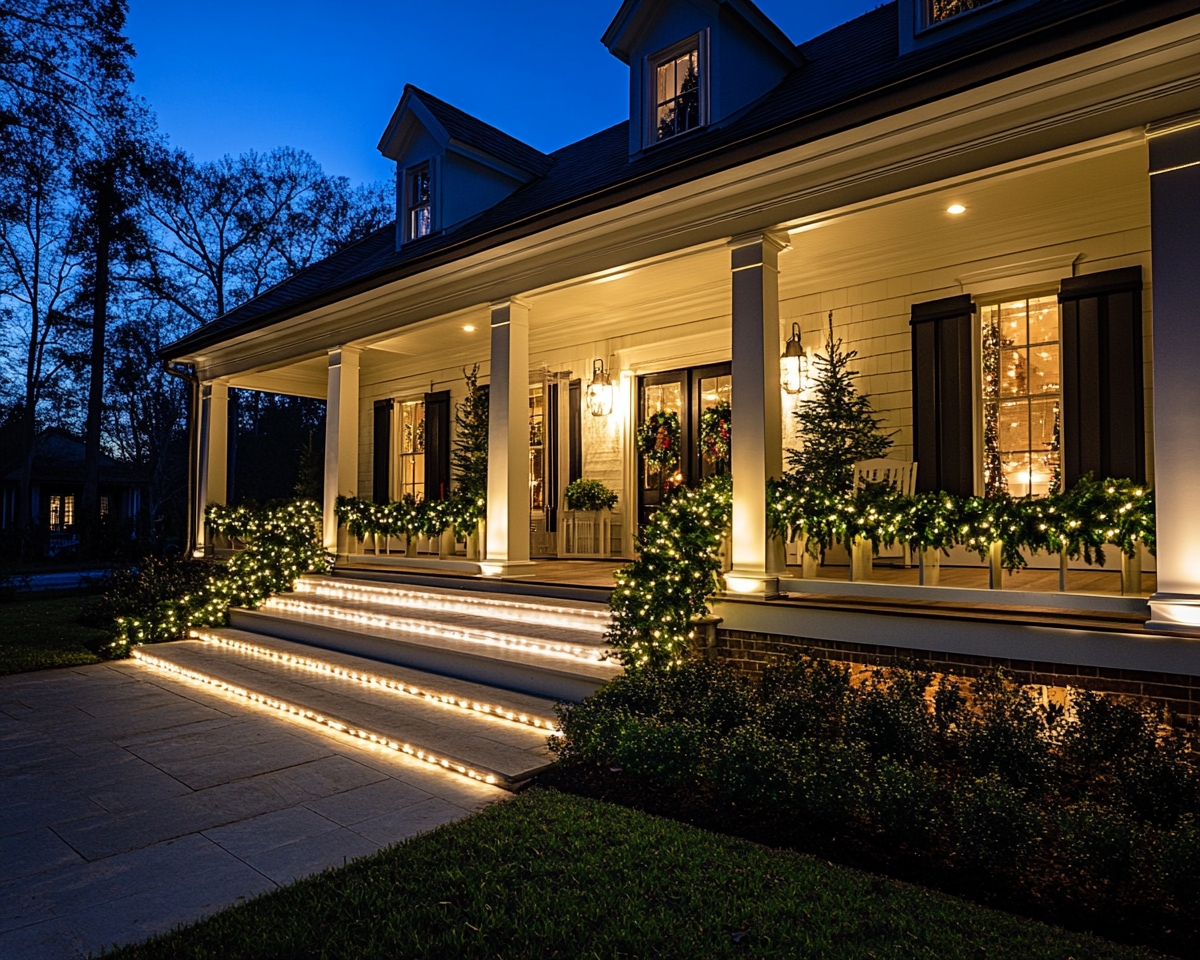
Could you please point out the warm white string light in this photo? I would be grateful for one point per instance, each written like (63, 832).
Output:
(371, 681)
(312, 716)
(574, 618)
(566, 651)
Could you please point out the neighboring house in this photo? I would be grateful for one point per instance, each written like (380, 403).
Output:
(56, 489)
(950, 179)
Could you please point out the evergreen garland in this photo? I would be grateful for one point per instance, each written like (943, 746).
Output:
(838, 427)
(994, 481)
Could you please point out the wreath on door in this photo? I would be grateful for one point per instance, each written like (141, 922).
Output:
(659, 440)
(715, 432)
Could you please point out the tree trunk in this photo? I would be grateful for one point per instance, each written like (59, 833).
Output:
(90, 512)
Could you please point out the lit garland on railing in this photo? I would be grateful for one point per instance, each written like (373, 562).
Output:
(659, 594)
(412, 518)
(281, 544)
(1078, 522)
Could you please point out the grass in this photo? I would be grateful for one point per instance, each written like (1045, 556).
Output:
(553, 875)
(41, 633)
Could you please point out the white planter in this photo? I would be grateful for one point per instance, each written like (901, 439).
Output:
(591, 533)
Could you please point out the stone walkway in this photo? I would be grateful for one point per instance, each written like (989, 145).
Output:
(130, 804)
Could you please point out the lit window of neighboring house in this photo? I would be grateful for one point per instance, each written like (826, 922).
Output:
(678, 105)
(104, 506)
(409, 420)
(62, 512)
(420, 202)
(1022, 397)
(939, 10)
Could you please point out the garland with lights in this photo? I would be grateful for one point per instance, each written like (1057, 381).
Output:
(462, 511)
(715, 432)
(659, 440)
(1078, 522)
(281, 544)
(660, 594)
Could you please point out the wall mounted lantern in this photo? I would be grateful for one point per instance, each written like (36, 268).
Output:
(600, 391)
(793, 365)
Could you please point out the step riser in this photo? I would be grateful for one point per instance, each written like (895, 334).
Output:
(511, 676)
(523, 588)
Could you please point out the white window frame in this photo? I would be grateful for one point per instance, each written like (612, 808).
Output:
(697, 42)
(395, 473)
(406, 194)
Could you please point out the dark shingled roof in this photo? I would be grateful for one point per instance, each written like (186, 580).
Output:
(482, 136)
(852, 74)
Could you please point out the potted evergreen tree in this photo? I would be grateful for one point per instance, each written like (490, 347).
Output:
(587, 518)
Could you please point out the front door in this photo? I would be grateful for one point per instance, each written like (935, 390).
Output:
(686, 393)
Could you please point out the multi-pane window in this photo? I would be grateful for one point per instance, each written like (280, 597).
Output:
(537, 449)
(62, 512)
(409, 421)
(939, 10)
(1022, 397)
(420, 202)
(677, 99)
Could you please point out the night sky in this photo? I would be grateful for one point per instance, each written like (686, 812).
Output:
(226, 76)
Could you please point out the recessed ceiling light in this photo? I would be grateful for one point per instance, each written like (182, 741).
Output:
(469, 328)
(956, 209)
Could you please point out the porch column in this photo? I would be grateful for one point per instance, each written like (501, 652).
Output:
(757, 426)
(1175, 248)
(211, 465)
(341, 437)
(508, 440)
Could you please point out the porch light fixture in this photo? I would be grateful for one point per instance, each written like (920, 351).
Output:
(600, 391)
(793, 365)
(469, 328)
(955, 209)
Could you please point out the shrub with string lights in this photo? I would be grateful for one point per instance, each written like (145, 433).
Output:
(462, 511)
(659, 594)
(280, 545)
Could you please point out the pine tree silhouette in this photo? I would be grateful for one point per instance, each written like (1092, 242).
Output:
(838, 427)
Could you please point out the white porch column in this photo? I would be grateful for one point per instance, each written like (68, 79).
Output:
(508, 440)
(1175, 248)
(212, 462)
(341, 437)
(757, 426)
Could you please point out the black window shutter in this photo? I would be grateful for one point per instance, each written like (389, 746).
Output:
(1103, 426)
(575, 432)
(943, 384)
(381, 483)
(437, 445)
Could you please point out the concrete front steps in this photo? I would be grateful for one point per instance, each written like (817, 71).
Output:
(495, 736)
(552, 649)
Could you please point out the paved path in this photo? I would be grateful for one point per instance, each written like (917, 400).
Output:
(130, 804)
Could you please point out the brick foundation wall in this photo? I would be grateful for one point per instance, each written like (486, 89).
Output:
(750, 652)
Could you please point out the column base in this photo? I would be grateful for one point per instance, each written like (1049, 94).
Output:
(499, 569)
(1174, 613)
(756, 584)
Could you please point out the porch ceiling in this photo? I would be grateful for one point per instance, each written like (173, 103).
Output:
(306, 378)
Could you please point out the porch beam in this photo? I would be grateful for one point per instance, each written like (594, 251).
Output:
(1175, 247)
(341, 438)
(508, 440)
(756, 453)
(212, 462)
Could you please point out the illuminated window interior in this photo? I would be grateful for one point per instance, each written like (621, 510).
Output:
(1022, 397)
(62, 512)
(420, 202)
(677, 100)
(939, 10)
(537, 449)
(714, 391)
(408, 421)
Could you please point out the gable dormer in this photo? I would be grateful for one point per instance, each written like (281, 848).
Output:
(927, 22)
(694, 63)
(450, 166)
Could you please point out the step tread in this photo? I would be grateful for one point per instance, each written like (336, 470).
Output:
(540, 707)
(509, 750)
(584, 607)
(281, 608)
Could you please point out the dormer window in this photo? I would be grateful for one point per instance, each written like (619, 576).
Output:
(939, 10)
(678, 81)
(420, 202)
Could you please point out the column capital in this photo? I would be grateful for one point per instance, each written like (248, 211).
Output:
(773, 238)
(500, 306)
(336, 354)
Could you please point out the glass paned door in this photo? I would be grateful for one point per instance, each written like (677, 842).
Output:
(408, 479)
(657, 393)
(711, 389)
(537, 452)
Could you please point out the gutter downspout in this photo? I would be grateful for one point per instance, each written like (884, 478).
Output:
(187, 373)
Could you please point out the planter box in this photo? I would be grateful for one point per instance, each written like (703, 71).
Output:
(591, 534)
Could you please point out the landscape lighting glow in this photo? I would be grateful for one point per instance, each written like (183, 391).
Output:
(312, 716)
(378, 683)
(431, 628)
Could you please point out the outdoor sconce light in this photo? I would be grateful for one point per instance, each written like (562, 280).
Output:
(600, 391)
(793, 365)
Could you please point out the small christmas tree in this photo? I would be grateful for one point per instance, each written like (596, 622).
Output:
(838, 427)
(470, 452)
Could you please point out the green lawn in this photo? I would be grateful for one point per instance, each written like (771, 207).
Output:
(41, 633)
(553, 875)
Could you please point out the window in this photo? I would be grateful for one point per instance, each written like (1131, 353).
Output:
(537, 449)
(420, 202)
(62, 512)
(677, 85)
(105, 506)
(939, 10)
(409, 419)
(1022, 397)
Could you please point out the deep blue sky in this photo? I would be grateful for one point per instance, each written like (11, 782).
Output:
(226, 76)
